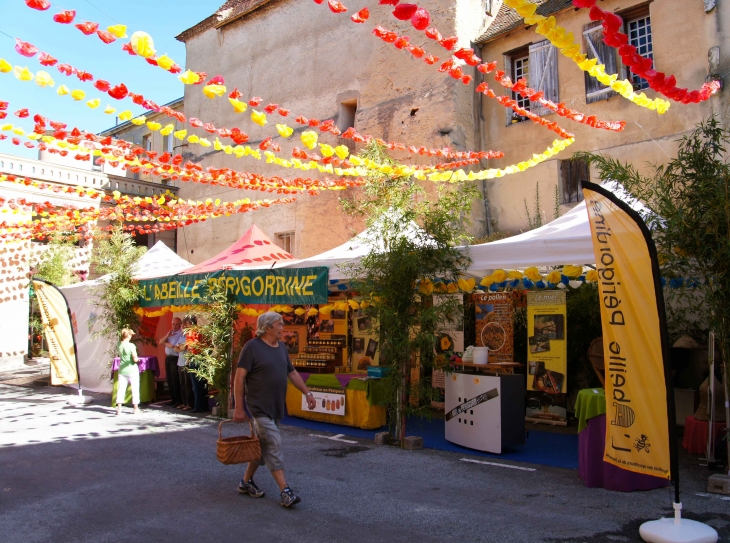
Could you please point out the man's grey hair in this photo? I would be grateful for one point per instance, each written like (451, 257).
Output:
(266, 320)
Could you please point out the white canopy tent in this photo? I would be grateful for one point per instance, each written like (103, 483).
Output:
(159, 261)
(566, 240)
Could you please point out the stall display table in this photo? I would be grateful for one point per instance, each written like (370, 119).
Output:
(149, 369)
(695, 434)
(362, 398)
(485, 412)
(590, 410)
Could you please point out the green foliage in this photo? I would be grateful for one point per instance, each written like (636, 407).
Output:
(691, 195)
(584, 325)
(414, 234)
(212, 346)
(534, 220)
(52, 264)
(117, 297)
(556, 204)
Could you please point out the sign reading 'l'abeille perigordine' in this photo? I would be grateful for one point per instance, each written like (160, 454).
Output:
(299, 286)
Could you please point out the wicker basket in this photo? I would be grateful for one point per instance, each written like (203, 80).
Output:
(238, 449)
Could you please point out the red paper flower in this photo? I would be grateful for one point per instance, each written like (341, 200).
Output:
(66, 69)
(210, 128)
(201, 77)
(65, 17)
(40, 5)
(29, 145)
(24, 48)
(388, 2)
(22, 113)
(449, 43)
(127, 46)
(57, 126)
(175, 69)
(149, 104)
(405, 11)
(415, 51)
(434, 34)
(151, 61)
(87, 27)
(235, 94)
(195, 123)
(46, 60)
(255, 101)
(361, 16)
(402, 42)
(313, 123)
(336, 7)
(217, 80)
(102, 85)
(119, 92)
(318, 1)
(271, 108)
(106, 36)
(137, 98)
(430, 59)
(3, 114)
(301, 120)
(84, 76)
(283, 112)
(265, 144)
(420, 19)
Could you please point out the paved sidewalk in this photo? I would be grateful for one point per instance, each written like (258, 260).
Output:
(81, 475)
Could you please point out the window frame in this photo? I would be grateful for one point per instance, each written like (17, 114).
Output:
(284, 239)
(542, 61)
(633, 16)
(572, 172)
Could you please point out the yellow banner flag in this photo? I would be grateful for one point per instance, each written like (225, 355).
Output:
(58, 332)
(634, 336)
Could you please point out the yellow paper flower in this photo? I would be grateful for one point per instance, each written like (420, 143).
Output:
(238, 106)
(284, 131)
(78, 94)
(153, 126)
(499, 276)
(313, 312)
(532, 274)
(591, 276)
(189, 77)
(211, 91)
(353, 304)
(180, 134)
(142, 44)
(5, 67)
(118, 31)
(258, 117)
(18, 131)
(168, 129)
(109, 110)
(44, 79)
(125, 115)
(554, 277)
(24, 74)
(217, 145)
(326, 150)
(309, 139)
(572, 271)
(165, 62)
(467, 285)
(139, 121)
(342, 151)
(204, 142)
(93, 104)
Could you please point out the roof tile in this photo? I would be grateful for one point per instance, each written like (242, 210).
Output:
(508, 19)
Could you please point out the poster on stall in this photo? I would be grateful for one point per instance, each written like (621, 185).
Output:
(547, 358)
(365, 341)
(328, 400)
(495, 325)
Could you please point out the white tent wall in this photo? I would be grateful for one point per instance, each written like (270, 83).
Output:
(95, 375)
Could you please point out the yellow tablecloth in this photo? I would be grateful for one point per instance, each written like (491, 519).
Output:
(358, 412)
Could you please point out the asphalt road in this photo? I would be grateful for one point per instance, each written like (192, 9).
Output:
(84, 475)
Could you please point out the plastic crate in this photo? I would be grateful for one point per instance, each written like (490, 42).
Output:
(377, 372)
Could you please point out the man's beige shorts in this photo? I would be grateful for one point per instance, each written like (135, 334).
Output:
(272, 454)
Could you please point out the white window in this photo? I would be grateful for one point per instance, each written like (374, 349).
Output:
(639, 31)
(538, 65)
(594, 47)
(285, 240)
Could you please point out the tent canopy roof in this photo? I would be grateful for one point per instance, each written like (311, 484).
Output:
(253, 250)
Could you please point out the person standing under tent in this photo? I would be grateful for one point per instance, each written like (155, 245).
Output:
(200, 398)
(128, 371)
(186, 387)
(263, 367)
(172, 338)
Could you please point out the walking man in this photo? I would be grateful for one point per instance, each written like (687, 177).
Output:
(263, 367)
(172, 338)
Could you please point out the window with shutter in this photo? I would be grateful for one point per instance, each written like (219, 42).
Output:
(573, 173)
(639, 31)
(544, 73)
(594, 47)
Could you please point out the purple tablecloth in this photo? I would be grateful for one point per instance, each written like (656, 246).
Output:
(145, 363)
(599, 474)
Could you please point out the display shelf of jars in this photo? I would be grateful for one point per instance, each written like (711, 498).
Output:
(321, 356)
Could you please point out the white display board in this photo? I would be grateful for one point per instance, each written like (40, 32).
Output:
(329, 401)
(473, 411)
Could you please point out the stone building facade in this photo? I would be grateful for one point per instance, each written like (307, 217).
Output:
(685, 39)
